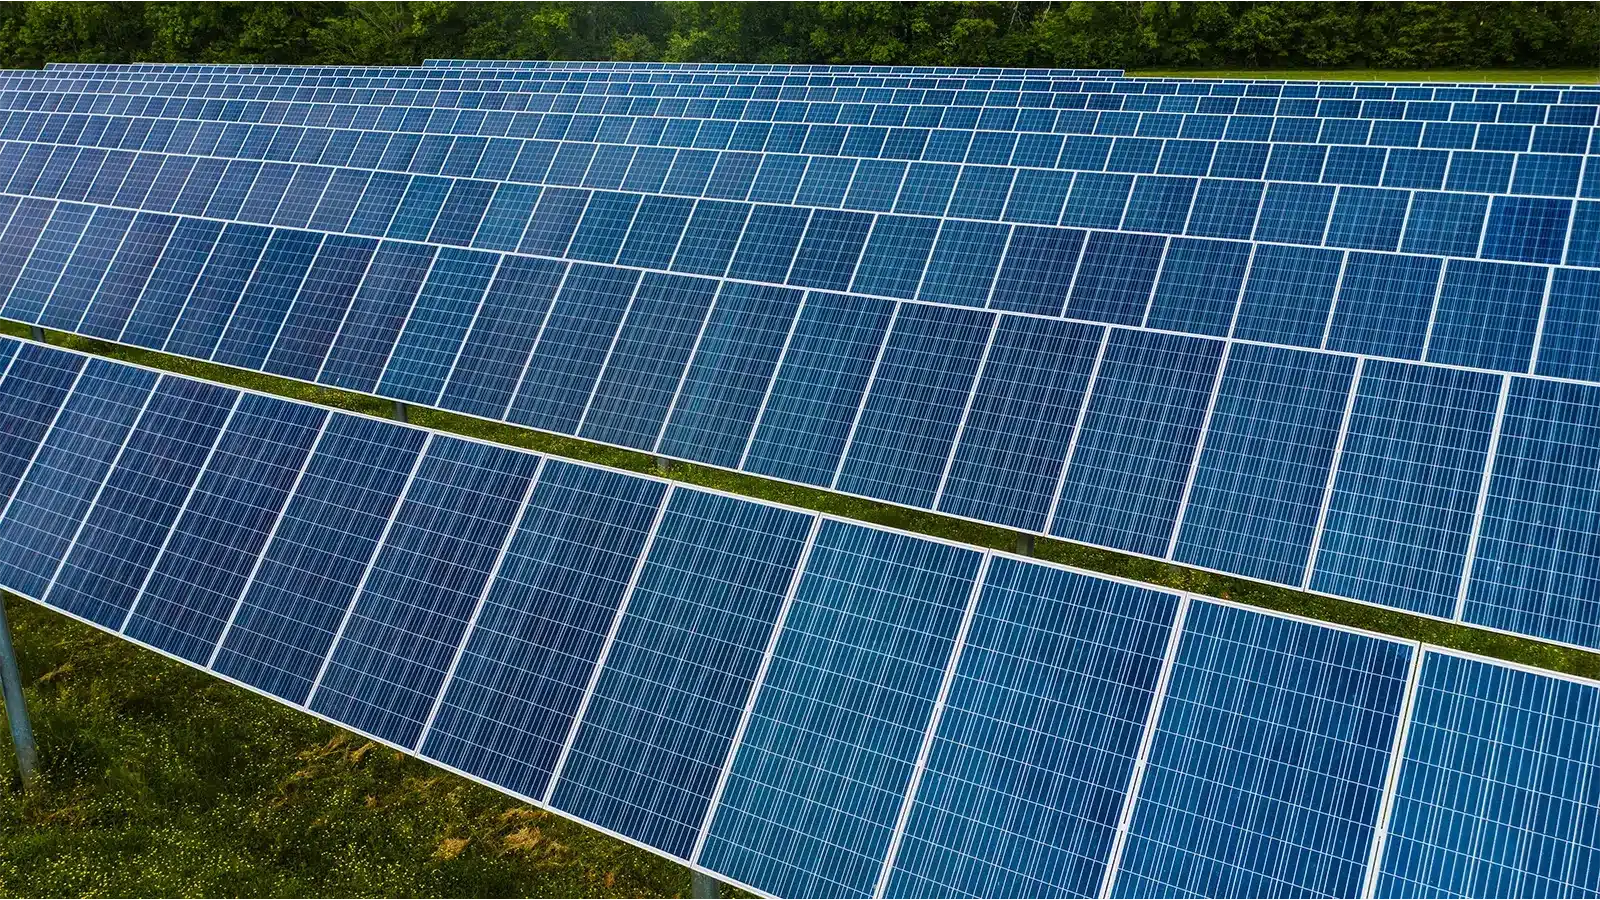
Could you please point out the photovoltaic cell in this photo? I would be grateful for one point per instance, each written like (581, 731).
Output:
(506, 711)
(31, 394)
(659, 727)
(1267, 765)
(817, 782)
(1030, 766)
(1497, 787)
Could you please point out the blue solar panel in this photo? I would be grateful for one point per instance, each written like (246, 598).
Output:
(1497, 788)
(918, 722)
(1263, 777)
(1535, 569)
(310, 571)
(1125, 478)
(659, 727)
(190, 593)
(524, 668)
(36, 384)
(815, 788)
(1400, 512)
(1030, 766)
(401, 631)
(1258, 484)
(139, 501)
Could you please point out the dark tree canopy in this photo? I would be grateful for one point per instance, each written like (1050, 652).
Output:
(1112, 34)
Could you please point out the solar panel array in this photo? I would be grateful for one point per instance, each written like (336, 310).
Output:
(1359, 370)
(796, 703)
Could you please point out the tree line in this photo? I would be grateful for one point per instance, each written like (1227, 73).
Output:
(1125, 35)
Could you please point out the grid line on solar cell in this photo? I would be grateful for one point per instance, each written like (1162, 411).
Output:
(1483, 499)
(1397, 755)
(897, 835)
(272, 532)
(605, 649)
(1194, 461)
(366, 571)
(477, 608)
(1077, 427)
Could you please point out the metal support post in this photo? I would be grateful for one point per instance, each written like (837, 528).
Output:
(663, 465)
(704, 886)
(399, 411)
(16, 707)
(36, 333)
(1025, 544)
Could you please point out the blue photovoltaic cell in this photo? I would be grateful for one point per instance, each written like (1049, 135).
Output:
(657, 731)
(200, 574)
(895, 256)
(376, 316)
(919, 394)
(67, 472)
(26, 299)
(485, 373)
(1537, 566)
(1028, 771)
(1384, 305)
(320, 307)
(573, 347)
(1570, 344)
(171, 283)
(30, 397)
(1115, 276)
(260, 312)
(727, 380)
(437, 326)
(814, 398)
(18, 240)
(1037, 270)
(1408, 479)
(307, 576)
(818, 780)
(141, 498)
(1267, 766)
(1199, 287)
(506, 711)
(1133, 451)
(1487, 315)
(86, 269)
(125, 281)
(1259, 482)
(1498, 788)
(1288, 295)
(646, 362)
(404, 627)
(202, 319)
(962, 267)
(1020, 422)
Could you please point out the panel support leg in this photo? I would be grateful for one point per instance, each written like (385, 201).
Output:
(1025, 545)
(663, 465)
(399, 411)
(16, 707)
(704, 886)
(36, 333)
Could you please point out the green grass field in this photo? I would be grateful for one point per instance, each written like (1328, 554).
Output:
(160, 780)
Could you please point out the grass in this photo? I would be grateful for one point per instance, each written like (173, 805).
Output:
(160, 780)
(1506, 76)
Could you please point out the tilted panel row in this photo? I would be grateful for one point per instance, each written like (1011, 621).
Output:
(969, 412)
(1454, 124)
(1033, 92)
(796, 703)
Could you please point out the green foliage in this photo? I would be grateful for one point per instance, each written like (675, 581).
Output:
(1127, 35)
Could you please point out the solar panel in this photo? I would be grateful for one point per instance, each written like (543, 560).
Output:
(604, 332)
(793, 702)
